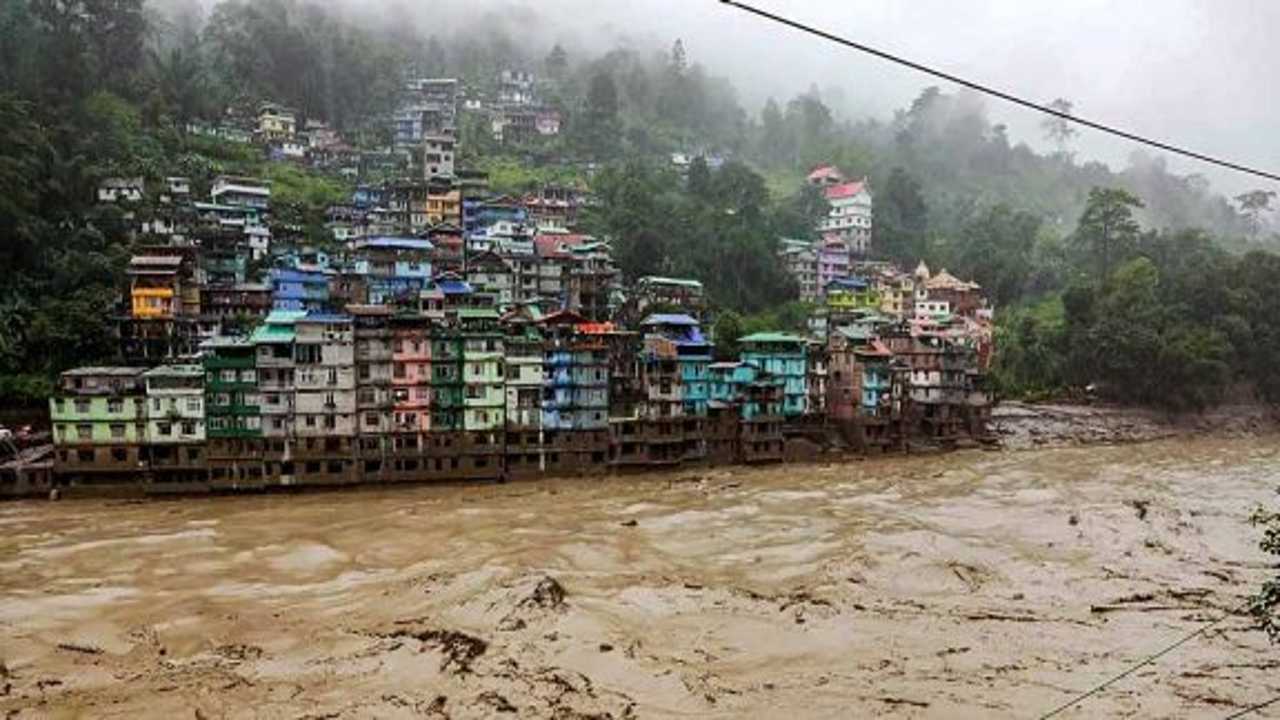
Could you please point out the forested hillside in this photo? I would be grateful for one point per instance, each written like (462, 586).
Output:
(94, 88)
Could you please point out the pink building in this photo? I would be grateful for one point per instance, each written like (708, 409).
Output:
(411, 377)
(833, 262)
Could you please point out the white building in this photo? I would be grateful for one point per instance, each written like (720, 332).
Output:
(437, 156)
(849, 219)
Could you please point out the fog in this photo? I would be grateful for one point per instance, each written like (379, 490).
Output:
(1189, 72)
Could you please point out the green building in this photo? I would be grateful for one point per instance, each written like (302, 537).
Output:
(784, 356)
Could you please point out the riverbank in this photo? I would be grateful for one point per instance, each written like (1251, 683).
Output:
(1020, 426)
(965, 585)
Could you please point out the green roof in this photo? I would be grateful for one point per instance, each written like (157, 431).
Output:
(273, 334)
(478, 313)
(771, 337)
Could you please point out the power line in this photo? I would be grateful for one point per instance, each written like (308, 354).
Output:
(996, 93)
(1253, 708)
(1145, 662)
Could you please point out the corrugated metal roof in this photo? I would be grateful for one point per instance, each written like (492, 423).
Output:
(669, 319)
(772, 337)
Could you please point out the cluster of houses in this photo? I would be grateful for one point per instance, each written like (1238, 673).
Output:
(460, 377)
(464, 386)
(448, 333)
(423, 126)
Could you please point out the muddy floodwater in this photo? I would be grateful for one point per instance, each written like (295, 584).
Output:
(970, 585)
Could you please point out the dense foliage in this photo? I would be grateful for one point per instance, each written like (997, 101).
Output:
(1099, 277)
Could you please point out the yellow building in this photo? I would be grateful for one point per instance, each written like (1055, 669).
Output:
(444, 207)
(850, 294)
(151, 303)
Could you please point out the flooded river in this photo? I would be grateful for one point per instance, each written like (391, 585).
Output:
(971, 585)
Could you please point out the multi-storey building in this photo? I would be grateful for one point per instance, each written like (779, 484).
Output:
(800, 259)
(437, 155)
(176, 427)
(593, 280)
(99, 423)
(303, 288)
(374, 342)
(233, 414)
(785, 356)
(250, 197)
(755, 398)
(446, 377)
(849, 217)
(523, 345)
(669, 294)
(325, 399)
(411, 374)
(393, 270)
(484, 397)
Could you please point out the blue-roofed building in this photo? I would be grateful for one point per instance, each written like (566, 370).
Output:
(301, 289)
(478, 215)
(785, 356)
(693, 356)
(395, 270)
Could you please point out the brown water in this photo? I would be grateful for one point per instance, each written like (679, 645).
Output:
(949, 586)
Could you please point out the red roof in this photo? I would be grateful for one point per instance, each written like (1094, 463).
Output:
(553, 245)
(845, 190)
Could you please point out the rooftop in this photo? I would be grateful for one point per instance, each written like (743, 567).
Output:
(669, 319)
(845, 190)
(99, 371)
(682, 282)
(184, 371)
(772, 338)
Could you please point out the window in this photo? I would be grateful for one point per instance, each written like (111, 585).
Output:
(115, 406)
(164, 429)
(84, 432)
(193, 405)
(188, 428)
(119, 454)
(155, 404)
(311, 421)
(84, 456)
(117, 431)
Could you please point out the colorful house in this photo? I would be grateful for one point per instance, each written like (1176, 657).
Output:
(693, 356)
(784, 356)
(99, 424)
(484, 396)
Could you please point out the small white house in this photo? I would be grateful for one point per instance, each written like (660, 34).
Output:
(113, 190)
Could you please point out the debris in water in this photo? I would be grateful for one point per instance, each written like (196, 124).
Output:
(80, 648)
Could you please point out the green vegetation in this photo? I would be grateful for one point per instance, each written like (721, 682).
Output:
(1264, 605)
(1085, 293)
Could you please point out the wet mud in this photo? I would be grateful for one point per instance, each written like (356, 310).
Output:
(967, 585)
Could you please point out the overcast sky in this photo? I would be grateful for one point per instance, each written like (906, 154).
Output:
(1190, 72)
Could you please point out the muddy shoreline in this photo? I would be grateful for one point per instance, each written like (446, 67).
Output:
(969, 584)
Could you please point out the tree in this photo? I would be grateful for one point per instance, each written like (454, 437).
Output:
(1059, 130)
(725, 333)
(1263, 605)
(179, 79)
(557, 63)
(1107, 227)
(901, 219)
(1253, 204)
(699, 183)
